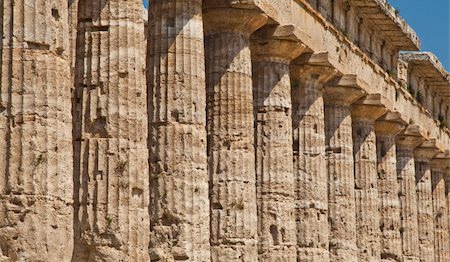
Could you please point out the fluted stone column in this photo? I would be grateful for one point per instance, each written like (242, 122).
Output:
(425, 202)
(273, 47)
(179, 201)
(341, 181)
(36, 186)
(110, 133)
(364, 113)
(310, 168)
(440, 210)
(386, 130)
(447, 196)
(406, 142)
(231, 132)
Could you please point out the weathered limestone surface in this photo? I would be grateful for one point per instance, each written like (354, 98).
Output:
(440, 211)
(111, 165)
(230, 132)
(406, 142)
(425, 202)
(364, 113)
(179, 203)
(310, 168)
(341, 181)
(35, 132)
(272, 50)
(386, 129)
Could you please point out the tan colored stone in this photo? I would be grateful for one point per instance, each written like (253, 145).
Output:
(36, 215)
(179, 204)
(230, 126)
(111, 157)
(310, 170)
(272, 50)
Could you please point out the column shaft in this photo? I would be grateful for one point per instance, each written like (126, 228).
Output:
(341, 182)
(310, 167)
(408, 203)
(272, 107)
(179, 202)
(110, 117)
(35, 132)
(366, 190)
(440, 216)
(389, 202)
(230, 126)
(425, 210)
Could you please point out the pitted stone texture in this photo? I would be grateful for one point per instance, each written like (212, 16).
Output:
(341, 182)
(425, 210)
(35, 132)
(408, 203)
(110, 132)
(230, 126)
(366, 190)
(389, 202)
(274, 170)
(179, 204)
(440, 216)
(310, 167)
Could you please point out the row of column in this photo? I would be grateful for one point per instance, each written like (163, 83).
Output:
(277, 168)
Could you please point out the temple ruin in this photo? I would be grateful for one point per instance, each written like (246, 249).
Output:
(222, 131)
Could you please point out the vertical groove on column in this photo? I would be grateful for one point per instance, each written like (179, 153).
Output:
(425, 210)
(310, 172)
(440, 214)
(111, 194)
(179, 204)
(389, 202)
(408, 204)
(273, 145)
(35, 124)
(366, 191)
(231, 147)
(341, 196)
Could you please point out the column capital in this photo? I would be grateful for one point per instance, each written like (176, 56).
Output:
(344, 90)
(391, 124)
(313, 69)
(411, 137)
(441, 160)
(428, 150)
(276, 43)
(371, 107)
(232, 20)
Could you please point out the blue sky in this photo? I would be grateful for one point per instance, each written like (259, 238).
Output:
(431, 21)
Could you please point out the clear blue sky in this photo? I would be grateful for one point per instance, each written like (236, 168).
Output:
(431, 21)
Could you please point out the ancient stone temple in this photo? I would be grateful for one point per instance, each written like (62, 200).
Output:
(222, 131)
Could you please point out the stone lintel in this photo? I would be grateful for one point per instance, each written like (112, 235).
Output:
(428, 150)
(274, 43)
(412, 137)
(344, 90)
(232, 20)
(244, 4)
(371, 107)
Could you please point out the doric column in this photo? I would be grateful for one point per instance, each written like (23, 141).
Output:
(406, 142)
(447, 196)
(179, 200)
(364, 113)
(422, 156)
(36, 186)
(341, 181)
(273, 47)
(110, 133)
(310, 167)
(230, 131)
(440, 210)
(386, 129)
